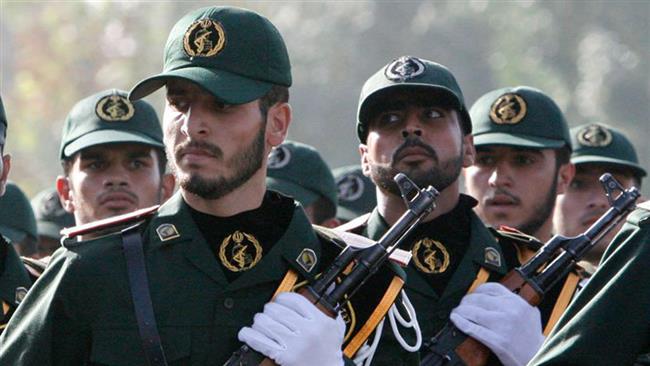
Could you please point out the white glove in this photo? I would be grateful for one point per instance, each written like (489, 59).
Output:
(293, 332)
(502, 321)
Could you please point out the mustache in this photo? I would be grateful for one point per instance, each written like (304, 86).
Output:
(106, 195)
(414, 142)
(502, 192)
(205, 147)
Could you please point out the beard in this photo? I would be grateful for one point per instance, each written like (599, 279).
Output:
(541, 212)
(441, 176)
(245, 164)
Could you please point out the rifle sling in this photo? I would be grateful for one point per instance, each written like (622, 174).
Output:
(139, 286)
(563, 300)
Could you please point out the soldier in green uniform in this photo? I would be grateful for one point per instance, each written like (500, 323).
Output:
(522, 159)
(113, 158)
(356, 193)
(298, 170)
(179, 287)
(608, 322)
(412, 119)
(51, 218)
(14, 280)
(17, 221)
(597, 149)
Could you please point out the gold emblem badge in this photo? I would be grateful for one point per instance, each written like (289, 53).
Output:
(492, 257)
(167, 232)
(595, 136)
(114, 108)
(509, 109)
(430, 256)
(240, 251)
(204, 37)
(307, 259)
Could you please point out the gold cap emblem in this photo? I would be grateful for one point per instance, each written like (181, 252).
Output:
(430, 256)
(204, 37)
(240, 251)
(167, 232)
(113, 108)
(595, 136)
(509, 109)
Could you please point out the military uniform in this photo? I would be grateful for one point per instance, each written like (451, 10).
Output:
(607, 323)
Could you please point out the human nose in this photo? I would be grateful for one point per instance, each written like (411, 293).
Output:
(193, 123)
(117, 176)
(500, 175)
(597, 199)
(412, 126)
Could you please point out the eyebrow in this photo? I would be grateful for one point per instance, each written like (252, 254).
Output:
(517, 149)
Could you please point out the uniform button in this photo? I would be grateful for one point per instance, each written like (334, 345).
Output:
(228, 303)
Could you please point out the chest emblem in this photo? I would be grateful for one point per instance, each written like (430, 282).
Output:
(430, 256)
(240, 251)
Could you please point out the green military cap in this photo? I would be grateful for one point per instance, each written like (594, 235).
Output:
(599, 143)
(235, 54)
(50, 215)
(519, 116)
(298, 170)
(410, 73)
(16, 215)
(109, 117)
(3, 123)
(356, 192)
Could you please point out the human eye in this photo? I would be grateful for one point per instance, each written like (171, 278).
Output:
(523, 160)
(432, 113)
(577, 184)
(483, 159)
(177, 103)
(388, 118)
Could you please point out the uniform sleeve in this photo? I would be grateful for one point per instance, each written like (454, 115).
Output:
(48, 326)
(607, 323)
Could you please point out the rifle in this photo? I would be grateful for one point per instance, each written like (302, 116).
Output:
(534, 278)
(329, 292)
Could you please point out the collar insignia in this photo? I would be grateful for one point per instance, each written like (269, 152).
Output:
(204, 38)
(492, 257)
(404, 68)
(240, 251)
(350, 187)
(307, 259)
(167, 232)
(595, 136)
(508, 109)
(114, 108)
(279, 157)
(430, 256)
(21, 292)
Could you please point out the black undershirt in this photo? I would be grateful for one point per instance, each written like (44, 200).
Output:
(452, 230)
(266, 223)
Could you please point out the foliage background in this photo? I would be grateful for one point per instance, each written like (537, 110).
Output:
(590, 56)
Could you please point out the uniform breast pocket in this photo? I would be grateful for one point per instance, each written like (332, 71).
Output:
(112, 347)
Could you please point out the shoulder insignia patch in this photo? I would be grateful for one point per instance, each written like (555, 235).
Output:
(508, 233)
(307, 259)
(167, 232)
(20, 294)
(110, 224)
(492, 257)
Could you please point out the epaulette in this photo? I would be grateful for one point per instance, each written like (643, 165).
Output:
(111, 224)
(521, 239)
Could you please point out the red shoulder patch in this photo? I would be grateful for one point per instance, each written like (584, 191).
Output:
(107, 223)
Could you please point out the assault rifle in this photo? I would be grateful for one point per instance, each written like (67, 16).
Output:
(332, 290)
(533, 279)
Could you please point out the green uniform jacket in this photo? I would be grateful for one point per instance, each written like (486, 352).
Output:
(80, 310)
(14, 281)
(433, 310)
(608, 323)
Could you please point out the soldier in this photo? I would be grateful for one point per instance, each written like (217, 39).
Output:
(522, 159)
(51, 218)
(17, 221)
(412, 119)
(14, 280)
(356, 193)
(176, 287)
(299, 171)
(113, 158)
(607, 323)
(597, 149)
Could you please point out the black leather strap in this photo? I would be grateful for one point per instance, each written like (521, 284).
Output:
(139, 285)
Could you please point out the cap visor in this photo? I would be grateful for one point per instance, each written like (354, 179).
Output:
(300, 194)
(49, 229)
(225, 86)
(595, 159)
(507, 139)
(108, 137)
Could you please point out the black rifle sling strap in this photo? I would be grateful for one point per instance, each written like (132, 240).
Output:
(139, 285)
